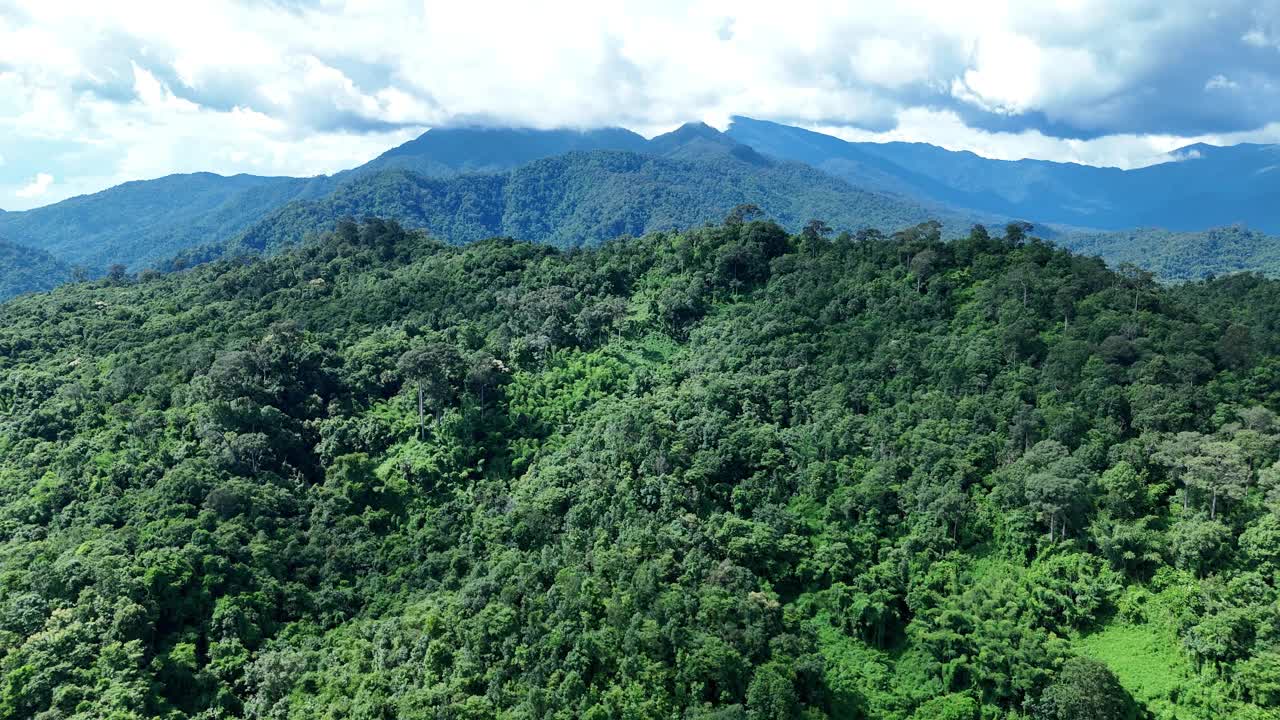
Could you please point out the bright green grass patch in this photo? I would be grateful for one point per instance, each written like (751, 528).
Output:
(1147, 663)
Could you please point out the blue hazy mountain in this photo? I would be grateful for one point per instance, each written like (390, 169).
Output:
(451, 151)
(140, 223)
(1201, 186)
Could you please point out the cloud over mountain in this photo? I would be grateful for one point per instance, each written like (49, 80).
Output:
(102, 93)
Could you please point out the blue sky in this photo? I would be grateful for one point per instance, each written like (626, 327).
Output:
(94, 94)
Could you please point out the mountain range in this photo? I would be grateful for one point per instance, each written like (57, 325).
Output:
(562, 186)
(689, 177)
(1201, 186)
(580, 187)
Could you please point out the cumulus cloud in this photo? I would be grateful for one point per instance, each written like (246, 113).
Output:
(947, 129)
(1221, 82)
(1259, 38)
(38, 186)
(1264, 32)
(114, 91)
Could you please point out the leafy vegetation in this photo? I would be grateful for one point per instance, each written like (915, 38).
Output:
(138, 224)
(724, 473)
(445, 152)
(586, 198)
(1180, 256)
(571, 187)
(24, 270)
(559, 186)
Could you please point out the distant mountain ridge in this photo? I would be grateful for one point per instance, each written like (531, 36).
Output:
(1174, 255)
(685, 178)
(453, 151)
(1206, 186)
(469, 182)
(142, 222)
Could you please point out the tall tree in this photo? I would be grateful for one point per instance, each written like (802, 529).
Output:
(432, 365)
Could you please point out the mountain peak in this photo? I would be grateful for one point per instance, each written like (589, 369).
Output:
(744, 120)
(1193, 151)
(448, 150)
(696, 129)
(698, 140)
(690, 132)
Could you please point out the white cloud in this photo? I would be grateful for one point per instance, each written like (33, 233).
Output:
(1221, 82)
(38, 186)
(946, 129)
(134, 88)
(1259, 38)
(1006, 74)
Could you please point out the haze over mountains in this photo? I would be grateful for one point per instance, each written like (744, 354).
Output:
(572, 188)
(1202, 187)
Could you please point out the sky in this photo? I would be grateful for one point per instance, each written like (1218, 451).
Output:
(93, 94)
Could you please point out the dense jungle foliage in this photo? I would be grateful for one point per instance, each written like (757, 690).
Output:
(24, 270)
(724, 473)
(1181, 256)
(585, 198)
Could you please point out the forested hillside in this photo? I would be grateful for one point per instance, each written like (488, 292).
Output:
(1183, 255)
(445, 152)
(138, 224)
(24, 270)
(724, 473)
(144, 223)
(582, 187)
(585, 198)
(565, 187)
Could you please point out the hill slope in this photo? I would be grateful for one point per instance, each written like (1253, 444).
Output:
(728, 473)
(444, 152)
(1182, 255)
(24, 270)
(690, 177)
(139, 223)
(143, 223)
(1207, 186)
